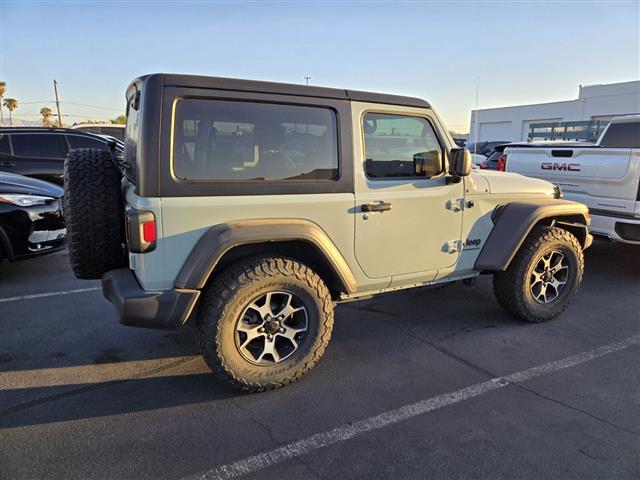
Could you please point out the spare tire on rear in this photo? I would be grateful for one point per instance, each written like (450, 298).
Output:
(94, 212)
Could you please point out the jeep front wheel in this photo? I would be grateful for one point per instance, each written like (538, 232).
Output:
(264, 322)
(544, 276)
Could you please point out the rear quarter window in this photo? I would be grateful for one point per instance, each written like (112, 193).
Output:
(220, 140)
(622, 135)
(80, 141)
(5, 147)
(114, 132)
(40, 145)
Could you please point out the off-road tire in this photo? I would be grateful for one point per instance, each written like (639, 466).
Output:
(227, 296)
(512, 287)
(94, 213)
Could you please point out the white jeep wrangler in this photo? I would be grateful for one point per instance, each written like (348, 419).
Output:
(256, 207)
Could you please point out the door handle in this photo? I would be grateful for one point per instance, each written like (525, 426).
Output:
(376, 207)
(7, 164)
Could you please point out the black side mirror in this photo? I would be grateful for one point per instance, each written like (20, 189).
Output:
(427, 164)
(460, 162)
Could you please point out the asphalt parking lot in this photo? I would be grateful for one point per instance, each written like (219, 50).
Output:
(413, 385)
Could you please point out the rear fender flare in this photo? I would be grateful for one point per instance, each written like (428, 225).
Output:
(219, 239)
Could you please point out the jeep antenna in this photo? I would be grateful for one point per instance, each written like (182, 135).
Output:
(307, 80)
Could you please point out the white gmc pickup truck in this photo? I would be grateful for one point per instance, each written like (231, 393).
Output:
(605, 176)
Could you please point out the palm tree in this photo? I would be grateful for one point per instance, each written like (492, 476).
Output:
(3, 89)
(46, 116)
(11, 104)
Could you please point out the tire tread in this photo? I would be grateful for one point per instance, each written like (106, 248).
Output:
(507, 285)
(216, 303)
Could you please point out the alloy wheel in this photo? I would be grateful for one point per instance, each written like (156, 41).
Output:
(549, 277)
(271, 328)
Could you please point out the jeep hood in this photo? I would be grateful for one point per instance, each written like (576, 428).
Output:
(514, 183)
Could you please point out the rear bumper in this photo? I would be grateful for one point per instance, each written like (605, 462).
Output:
(624, 229)
(165, 310)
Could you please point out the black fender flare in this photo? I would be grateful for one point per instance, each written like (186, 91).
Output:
(513, 222)
(221, 238)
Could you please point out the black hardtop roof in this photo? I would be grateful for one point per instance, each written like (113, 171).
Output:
(221, 83)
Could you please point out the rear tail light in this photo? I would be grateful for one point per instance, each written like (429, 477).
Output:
(141, 231)
(149, 231)
(502, 163)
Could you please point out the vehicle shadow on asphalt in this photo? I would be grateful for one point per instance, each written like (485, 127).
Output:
(415, 320)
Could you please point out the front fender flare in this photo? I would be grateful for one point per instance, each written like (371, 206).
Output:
(515, 220)
(221, 238)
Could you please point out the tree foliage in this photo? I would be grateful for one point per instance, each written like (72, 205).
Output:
(46, 113)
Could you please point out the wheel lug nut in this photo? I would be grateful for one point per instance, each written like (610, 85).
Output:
(281, 330)
(270, 337)
(261, 330)
(281, 317)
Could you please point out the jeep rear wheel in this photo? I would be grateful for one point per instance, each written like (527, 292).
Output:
(94, 213)
(544, 276)
(264, 322)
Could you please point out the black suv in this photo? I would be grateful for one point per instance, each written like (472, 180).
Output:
(40, 152)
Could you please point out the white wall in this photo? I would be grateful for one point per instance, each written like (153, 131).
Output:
(593, 103)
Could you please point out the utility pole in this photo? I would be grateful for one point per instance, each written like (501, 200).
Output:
(307, 79)
(475, 142)
(55, 89)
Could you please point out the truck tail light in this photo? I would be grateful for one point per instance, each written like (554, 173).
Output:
(502, 163)
(141, 231)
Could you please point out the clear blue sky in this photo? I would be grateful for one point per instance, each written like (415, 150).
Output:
(523, 52)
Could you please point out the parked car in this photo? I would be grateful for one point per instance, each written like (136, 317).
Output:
(490, 162)
(478, 159)
(249, 205)
(40, 152)
(605, 175)
(31, 221)
(485, 148)
(113, 130)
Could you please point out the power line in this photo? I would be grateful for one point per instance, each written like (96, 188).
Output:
(33, 103)
(71, 103)
(94, 106)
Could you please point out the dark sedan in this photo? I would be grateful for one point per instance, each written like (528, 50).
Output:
(31, 221)
(40, 152)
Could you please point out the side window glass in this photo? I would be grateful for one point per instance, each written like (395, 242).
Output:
(393, 144)
(229, 140)
(80, 141)
(4, 144)
(117, 133)
(622, 135)
(42, 145)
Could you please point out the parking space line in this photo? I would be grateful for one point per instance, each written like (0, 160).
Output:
(391, 417)
(103, 372)
(48, 294)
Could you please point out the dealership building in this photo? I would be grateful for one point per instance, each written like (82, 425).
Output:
(594, 103)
